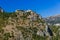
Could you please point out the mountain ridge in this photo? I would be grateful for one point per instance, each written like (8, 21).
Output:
(53, 19)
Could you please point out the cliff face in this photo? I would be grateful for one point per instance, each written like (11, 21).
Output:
(21, 25)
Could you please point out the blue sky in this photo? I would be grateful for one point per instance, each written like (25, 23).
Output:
(43, 7)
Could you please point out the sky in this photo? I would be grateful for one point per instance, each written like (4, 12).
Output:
(43, 7)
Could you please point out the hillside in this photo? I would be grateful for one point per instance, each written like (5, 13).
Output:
(24, 25)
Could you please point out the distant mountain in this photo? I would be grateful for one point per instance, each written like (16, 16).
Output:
(53, 19)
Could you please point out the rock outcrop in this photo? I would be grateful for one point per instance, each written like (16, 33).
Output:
(23, 25)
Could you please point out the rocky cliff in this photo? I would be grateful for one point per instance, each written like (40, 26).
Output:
(22, 25)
